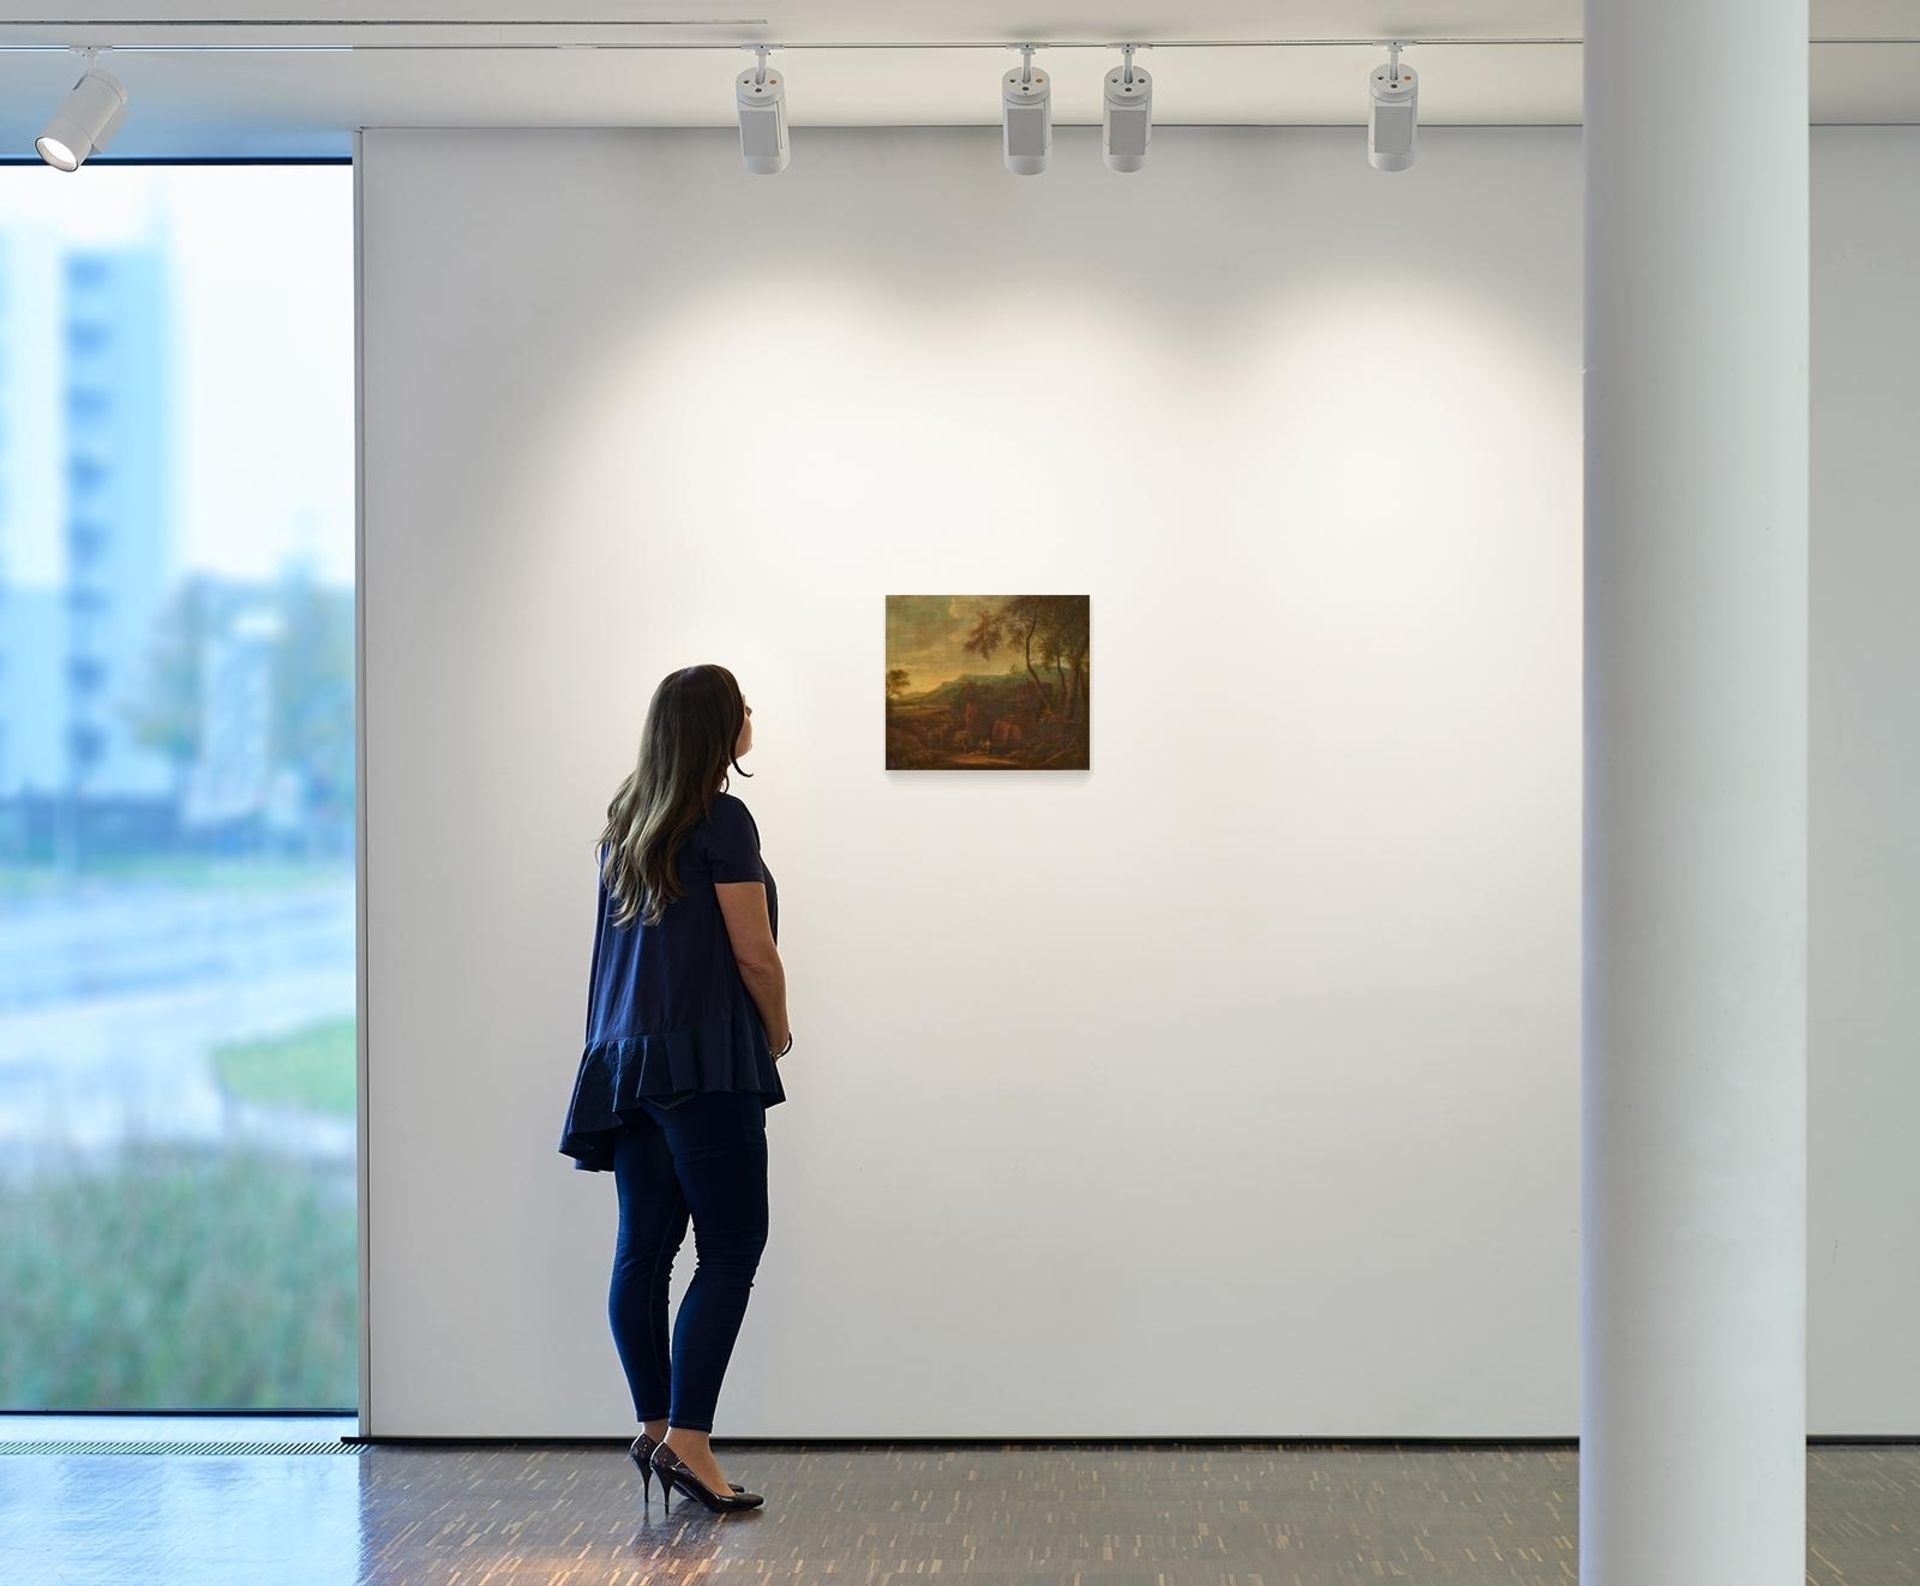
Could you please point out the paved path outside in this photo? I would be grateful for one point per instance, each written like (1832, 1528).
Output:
(111, 1008)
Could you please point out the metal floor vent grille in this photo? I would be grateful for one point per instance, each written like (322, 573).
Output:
(111, 1445)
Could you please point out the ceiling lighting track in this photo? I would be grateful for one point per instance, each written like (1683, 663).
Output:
(97, 103)
(352, 25)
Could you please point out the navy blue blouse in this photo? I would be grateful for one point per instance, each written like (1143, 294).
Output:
(667, 1012)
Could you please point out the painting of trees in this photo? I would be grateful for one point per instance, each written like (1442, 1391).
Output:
(1004, 682)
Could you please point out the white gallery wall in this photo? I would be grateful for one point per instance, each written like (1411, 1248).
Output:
(1228, 1088)
(1863, 1084)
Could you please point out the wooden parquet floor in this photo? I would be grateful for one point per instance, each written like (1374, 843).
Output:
(1078, 1515)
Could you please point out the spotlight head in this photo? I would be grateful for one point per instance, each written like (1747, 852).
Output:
(760, 96)
(1127, 122)
(1026, 115)
(1395, 93)
(85, 123)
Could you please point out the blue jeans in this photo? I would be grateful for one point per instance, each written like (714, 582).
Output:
(706, 1156)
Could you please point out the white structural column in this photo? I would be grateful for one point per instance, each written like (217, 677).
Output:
(1693, 1351)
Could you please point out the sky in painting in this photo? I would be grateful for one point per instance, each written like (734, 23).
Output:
(924, 635)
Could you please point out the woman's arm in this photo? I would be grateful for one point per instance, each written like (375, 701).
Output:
(743, 905)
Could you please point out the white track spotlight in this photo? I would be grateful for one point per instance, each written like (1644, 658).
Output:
(1026, 114)
(1395, 90)
(761, 98)
(86, 123)
(1127, 122)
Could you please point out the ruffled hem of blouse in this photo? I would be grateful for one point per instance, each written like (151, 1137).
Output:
(615, 1074)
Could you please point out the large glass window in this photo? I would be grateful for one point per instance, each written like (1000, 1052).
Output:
(177, 1212)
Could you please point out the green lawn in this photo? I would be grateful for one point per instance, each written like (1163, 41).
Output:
(315, 1068)
(180, 1280)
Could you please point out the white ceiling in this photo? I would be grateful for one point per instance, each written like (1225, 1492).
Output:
(269, 90)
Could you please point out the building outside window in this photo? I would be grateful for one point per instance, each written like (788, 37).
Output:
(177, 913)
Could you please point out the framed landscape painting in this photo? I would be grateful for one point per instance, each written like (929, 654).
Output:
(989, 682)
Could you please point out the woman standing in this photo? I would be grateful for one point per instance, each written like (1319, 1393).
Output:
(686, 1020)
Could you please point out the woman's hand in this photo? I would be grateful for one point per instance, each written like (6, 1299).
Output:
(781, 1047)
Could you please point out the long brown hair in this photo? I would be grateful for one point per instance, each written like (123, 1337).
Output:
(693, 725)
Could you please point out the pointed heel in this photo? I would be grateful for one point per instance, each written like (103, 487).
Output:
(640, 1451)
(673, 1473)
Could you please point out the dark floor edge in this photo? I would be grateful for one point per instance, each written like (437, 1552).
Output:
(723, 1441)
(1830, 1440)
(982, 1442)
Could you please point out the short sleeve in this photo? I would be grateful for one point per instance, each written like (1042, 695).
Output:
(732, 842)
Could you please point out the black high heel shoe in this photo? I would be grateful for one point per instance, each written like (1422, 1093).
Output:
(672, 1473)
(640, 1453)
